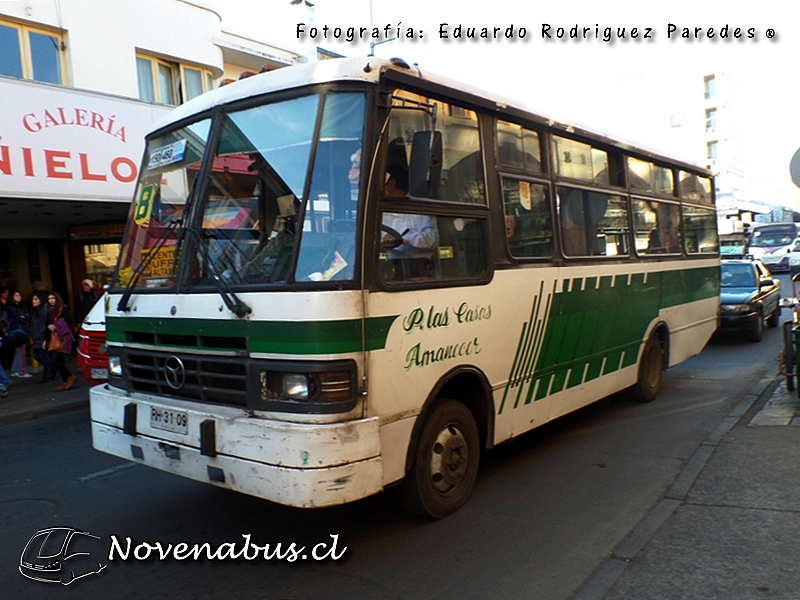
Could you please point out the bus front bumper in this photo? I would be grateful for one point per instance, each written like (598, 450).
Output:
(297, 464)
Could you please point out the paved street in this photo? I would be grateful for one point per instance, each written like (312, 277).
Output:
(691, 496)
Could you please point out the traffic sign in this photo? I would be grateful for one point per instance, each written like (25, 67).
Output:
(794, 168)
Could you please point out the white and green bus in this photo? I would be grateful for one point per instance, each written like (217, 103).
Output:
(342, 276)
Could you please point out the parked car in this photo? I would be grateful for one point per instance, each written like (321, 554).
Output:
(749, 295)
(91, 357)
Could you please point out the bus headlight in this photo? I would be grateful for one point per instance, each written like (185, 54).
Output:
(295, 386)
(304, 386)
(115, 366)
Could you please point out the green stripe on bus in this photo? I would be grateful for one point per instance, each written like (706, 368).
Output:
(595, 326)
(271, 337)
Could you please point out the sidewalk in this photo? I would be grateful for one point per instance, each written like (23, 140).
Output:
(28, 399)
(729, 527)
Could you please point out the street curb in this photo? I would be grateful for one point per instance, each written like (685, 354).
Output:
(611, 570)
(43, 411)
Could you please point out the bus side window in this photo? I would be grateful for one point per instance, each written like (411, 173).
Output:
(529, 223)
(700, 230)
(593, 223)
(656, 227)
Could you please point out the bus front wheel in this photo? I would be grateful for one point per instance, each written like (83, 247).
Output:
(651, 370)
(444, 466)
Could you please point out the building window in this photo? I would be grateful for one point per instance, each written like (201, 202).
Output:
(711, 119)
(711, 150)
(169, 83)
(31, 53)
(710, 86)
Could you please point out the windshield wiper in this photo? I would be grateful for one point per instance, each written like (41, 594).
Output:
(229, 297)
(151, 254)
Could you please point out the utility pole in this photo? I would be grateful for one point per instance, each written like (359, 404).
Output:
(372, 42)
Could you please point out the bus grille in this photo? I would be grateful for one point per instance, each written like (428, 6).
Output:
(191, 377)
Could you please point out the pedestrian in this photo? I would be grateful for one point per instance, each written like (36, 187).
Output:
(39, 289)
(18, 334)
(59, 322)
(40, 335)
(85, 300)
(6, 353)
(4, 380)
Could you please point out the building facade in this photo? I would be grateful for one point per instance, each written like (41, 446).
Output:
(81, 81)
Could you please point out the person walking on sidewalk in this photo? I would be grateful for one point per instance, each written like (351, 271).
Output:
(19, 330)
(4, 381)
(6, 352)
(60, 322)
(85, 300)
(40, 335)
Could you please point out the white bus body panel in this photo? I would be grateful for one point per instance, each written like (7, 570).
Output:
(298, 464)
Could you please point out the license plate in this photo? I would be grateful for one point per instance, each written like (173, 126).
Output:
(176, 421)
(99, 373)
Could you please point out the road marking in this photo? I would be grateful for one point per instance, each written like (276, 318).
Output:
(105, 472)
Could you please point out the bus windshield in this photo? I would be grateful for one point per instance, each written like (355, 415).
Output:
(279, 204)
(769, 239)
(172, 162)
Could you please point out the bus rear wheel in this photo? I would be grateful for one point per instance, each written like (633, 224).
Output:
(651, 370)
(445, 462)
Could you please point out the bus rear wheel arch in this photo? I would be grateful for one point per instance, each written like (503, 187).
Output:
(444, 464)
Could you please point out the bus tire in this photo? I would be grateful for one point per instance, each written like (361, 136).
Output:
(651, 370)
(444, 465)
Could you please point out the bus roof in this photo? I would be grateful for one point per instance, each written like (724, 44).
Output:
(785, 226)
(371, 69)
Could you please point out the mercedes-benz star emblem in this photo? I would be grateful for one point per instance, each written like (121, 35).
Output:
(174, 372)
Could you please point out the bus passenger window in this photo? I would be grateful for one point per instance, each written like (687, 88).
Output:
(593, 223)
(695, 189)
(656, 227)
(529, 224)
(578, 160)
(518, 148)
(700, 230)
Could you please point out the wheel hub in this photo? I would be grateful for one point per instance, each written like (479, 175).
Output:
(449, 459)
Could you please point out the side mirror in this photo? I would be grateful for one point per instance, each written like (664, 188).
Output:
(425, 168)
(766, 283)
